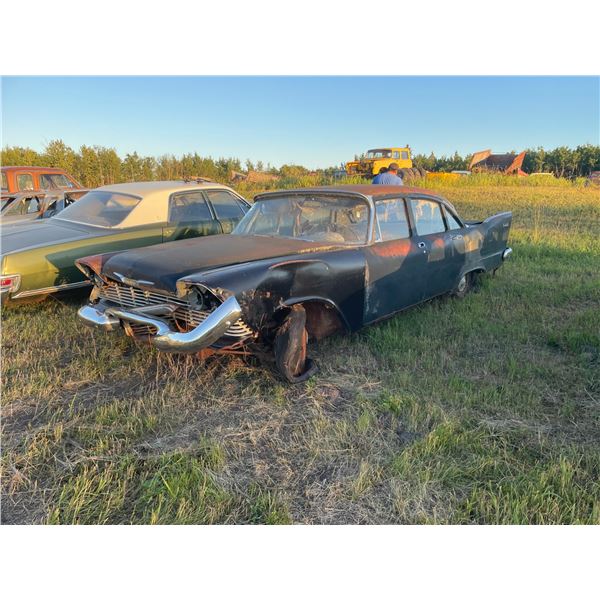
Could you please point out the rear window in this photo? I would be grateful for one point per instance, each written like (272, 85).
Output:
(104, 209)
(54, 180)
(4, 182)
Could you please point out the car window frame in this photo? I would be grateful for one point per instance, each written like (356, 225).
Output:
(49, 175)
(202, 192)
(411, 229)
(441, 204)
(445, 210)
(366, 199)
(237, 199)
(21, 173)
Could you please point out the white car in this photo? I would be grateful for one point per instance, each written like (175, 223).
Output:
(38, 257)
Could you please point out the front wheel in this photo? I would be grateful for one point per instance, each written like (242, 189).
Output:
(289, 347)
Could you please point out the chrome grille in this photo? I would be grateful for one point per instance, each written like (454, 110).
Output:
(184, 317)
(130, 297)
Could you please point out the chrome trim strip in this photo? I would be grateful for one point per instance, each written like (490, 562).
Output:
(53, 289)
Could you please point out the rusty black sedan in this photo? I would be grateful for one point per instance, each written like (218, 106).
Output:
(302, 264)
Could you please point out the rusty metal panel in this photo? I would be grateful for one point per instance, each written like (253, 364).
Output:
(479, 157)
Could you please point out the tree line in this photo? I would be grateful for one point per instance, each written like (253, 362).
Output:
(561, 161)
(94, 166)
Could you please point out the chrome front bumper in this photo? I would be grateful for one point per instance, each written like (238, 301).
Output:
(165, 338)
(506, 254)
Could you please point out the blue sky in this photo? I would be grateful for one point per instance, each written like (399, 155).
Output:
(314, 121)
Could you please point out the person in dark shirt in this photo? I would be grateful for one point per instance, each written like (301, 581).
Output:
(378, 176)
(391, 177)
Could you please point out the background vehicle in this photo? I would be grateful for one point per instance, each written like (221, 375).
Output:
(39, 258)
(369, 165)
(29, 206)
(506, 164)
(302, 264)
(34, 179)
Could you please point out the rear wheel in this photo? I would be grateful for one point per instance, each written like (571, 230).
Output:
(464, 286)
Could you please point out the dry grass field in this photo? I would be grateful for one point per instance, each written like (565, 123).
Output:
(485, 410)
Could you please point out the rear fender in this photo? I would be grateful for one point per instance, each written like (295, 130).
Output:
(486, 242)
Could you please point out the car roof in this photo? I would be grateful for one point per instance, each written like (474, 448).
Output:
(31, 168)
(374, 191)
(144, 188)
(369, 190)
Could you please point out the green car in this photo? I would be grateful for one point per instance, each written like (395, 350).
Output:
(38, 257)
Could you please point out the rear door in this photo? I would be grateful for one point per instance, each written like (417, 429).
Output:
(443, 244)
(228, 208)
(396, 265)
(189, 216)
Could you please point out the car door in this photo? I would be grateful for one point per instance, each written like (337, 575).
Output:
(228, 208)
(395, 263)
(189, 216)
(444, 247)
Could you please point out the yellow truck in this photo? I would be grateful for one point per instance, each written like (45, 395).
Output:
(370, 164)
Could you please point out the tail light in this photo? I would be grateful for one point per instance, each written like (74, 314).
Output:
(10, 283)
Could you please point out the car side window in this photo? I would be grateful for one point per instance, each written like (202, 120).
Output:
(4, 182)
(392, 219)
(25, 182)
(451, 220)
(404, 155)
(188, 206)
(33, 205)
(396, 154)
(54, 180)
(226, 205)
(428, 216)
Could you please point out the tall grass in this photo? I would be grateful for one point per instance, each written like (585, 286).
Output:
(436, 181)
(485, 410)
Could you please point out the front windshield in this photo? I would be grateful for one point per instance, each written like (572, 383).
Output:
(336, 219)
(379, 154)
(101, 208)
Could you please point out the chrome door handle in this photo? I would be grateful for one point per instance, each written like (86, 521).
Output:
(457, 237)
(421, 244)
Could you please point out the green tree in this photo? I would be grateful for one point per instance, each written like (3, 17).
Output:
(17, 156)
(58, 154)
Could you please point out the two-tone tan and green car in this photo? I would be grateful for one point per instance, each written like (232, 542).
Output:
(38, 258)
